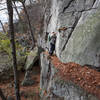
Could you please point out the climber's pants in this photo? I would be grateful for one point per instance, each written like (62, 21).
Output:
(52, 48)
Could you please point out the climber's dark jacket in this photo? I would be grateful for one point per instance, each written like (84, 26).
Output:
(53, 39)
(52, 44)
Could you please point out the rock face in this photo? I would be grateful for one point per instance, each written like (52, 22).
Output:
(57, 88)
(32, 58)
(77, 25)
(79, 41)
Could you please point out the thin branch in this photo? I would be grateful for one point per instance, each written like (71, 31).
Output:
(3, 9)
(2, 26)
(2, 3)
(20, 7)
(29, 23)
(17, 10)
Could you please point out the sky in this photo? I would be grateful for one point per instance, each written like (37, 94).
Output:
(3, 13)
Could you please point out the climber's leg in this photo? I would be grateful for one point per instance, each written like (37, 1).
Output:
(52, 48)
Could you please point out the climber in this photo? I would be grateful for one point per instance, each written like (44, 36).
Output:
(52, 42)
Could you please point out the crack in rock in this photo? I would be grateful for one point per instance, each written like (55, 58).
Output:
(73, 27)
(49, 19)
(67, 5)
(82, 10)
(93, 3)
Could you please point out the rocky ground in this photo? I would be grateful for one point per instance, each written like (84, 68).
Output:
(27, 92)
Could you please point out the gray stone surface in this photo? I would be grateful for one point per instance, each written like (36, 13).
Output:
(80, 42)
(83, 46)
(32, 58)
(57, 87)
(28, 81)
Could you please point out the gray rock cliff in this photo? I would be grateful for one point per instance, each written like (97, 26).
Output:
(77, 25)
(80, 41)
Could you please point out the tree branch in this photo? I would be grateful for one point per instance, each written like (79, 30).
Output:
(21, 7)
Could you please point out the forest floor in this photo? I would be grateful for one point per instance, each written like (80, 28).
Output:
(27, 92)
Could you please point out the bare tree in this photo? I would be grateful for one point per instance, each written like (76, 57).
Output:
(29, 23)
(11, 32)
(2, 27)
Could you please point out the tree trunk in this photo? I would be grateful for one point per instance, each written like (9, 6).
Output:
(2, 95)
(2, 27)
(27, 16)
(11, 32)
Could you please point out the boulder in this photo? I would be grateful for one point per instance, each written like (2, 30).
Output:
(28, 79)
(21, 60)
(32, 58)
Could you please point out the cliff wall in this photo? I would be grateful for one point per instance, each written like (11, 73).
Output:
(77, 25)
